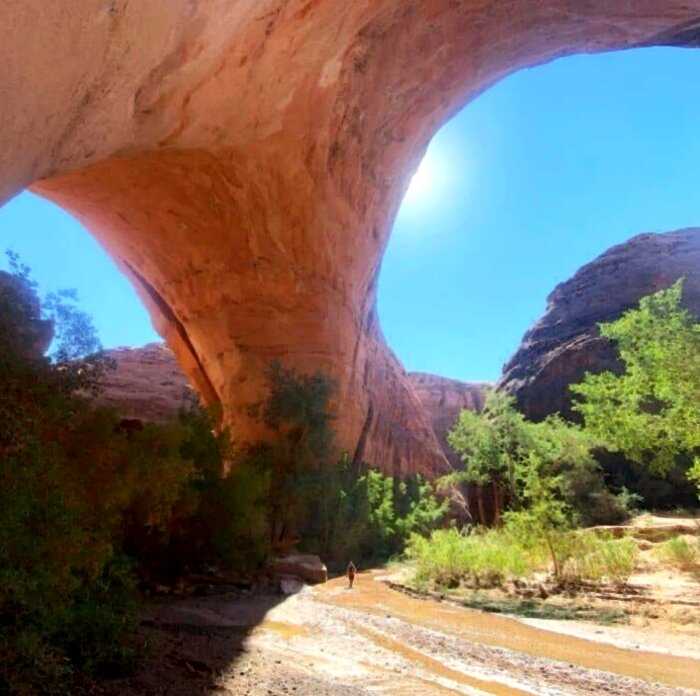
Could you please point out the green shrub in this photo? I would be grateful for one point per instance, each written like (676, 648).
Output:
(361, 514)
(86, 505)
(485, 558)
(592, 558)
(488, 558)
(681, 553)
(95, 633)
(234, 509)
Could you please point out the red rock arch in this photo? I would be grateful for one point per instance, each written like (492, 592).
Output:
(243, 162)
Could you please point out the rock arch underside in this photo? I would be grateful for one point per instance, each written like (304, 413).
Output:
(243, 161)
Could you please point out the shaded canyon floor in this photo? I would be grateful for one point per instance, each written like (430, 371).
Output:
(329, 640)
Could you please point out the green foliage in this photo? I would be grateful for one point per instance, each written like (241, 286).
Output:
(681, 553)
(649, 412)
(643, 488)
(74, 491)
(418, 509)
(367, 516)
(336, 508)
(488, 558)
(234, 509)
(491, 442)
(22, 327)
(88, 505)
(498, 445)
(694, 474)
(589, 557)
(544, 517)
(298, 411)
(484, 558)
(551, 477)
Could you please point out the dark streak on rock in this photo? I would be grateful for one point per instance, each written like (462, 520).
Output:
(168, 313)
(685, 35)
(361, 443)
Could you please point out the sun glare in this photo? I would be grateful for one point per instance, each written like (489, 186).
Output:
(428, 179)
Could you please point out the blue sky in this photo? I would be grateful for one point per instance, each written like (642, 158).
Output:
(535, 178)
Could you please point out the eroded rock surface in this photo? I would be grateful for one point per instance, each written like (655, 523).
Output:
(443, 399)
(566, 343)
(243, 163)
(146, 384)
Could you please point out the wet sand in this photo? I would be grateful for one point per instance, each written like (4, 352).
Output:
(375, 597)
(373, 640)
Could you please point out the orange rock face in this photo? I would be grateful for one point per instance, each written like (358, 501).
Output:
(243, 162)
(146, 384)
(443, 399)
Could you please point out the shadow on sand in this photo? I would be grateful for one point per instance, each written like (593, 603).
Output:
(191, 645)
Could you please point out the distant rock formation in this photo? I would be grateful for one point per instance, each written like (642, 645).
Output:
(565, 343)
(147, 384)
(443, 399)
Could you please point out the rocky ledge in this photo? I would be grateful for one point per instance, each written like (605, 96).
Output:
(566, 343)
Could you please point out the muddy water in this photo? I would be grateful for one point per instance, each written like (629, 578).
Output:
(373, 597)
(437, 668)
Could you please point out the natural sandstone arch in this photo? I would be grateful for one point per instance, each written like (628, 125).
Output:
(243, 161)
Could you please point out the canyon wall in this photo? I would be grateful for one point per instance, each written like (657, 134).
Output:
(566, 343)
(243, 161)
(443, 399)
(147, 384)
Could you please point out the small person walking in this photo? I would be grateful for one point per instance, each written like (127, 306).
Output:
(351, 574)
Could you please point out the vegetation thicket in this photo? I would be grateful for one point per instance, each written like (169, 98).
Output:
(91, 510)
(335, 507)
(545, 478)
(526, 463)
(650, 411)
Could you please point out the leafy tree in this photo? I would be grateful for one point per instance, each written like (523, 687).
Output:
(650, 412)
(490, 444)
(544, 516)
(420, 511)
(569, 453)
(498, 444)
(298, 410)
(694, 474)
(75, 491)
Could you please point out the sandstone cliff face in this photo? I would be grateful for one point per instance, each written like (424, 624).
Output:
(147, 384)
(243, 163)
(443, 399)
(565, 343)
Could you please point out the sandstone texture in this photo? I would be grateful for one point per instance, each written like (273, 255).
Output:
(146, 384)
(443, 399)
(243, 162)
(566, 343)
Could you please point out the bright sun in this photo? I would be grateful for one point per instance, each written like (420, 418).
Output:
(427, 180)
